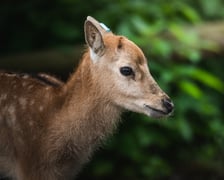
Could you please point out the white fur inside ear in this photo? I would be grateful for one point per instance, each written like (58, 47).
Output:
(93, 56)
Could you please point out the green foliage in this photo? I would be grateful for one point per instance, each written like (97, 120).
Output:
(187, 145)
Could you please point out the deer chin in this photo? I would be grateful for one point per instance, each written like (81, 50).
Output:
(154, 112)
(146, 109)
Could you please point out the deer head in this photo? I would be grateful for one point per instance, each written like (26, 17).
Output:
(124, 73)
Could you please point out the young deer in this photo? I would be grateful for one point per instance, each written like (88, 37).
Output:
(49, 129)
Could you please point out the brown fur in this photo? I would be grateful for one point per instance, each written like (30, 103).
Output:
(49, 129)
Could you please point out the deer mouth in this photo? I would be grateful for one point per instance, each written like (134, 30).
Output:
(153, 112)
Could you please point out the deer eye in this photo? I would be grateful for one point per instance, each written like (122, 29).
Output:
(126, 71)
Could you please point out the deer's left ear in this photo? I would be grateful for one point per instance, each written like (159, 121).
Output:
(94, 38)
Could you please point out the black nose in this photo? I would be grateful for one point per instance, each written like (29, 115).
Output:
(167, 103)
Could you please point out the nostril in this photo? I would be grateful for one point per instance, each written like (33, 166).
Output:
(168, 104)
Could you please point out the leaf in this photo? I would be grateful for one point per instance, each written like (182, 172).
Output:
(153, 166)
(184, 128)
(161, 47)
(200, 75)
(124, 28)
(140, 25)
(191, 89)
(208, 79)
(190, 13)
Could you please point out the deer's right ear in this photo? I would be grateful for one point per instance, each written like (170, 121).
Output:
(94, 40)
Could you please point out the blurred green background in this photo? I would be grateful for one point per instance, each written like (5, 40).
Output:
(184, 43)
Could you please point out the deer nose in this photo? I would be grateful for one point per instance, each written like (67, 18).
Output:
(168, 104)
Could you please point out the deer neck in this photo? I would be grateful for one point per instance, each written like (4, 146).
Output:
(89, 113)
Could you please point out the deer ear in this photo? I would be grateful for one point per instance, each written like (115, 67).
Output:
(94, 38)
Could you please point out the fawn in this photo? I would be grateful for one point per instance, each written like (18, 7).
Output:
(49, 129)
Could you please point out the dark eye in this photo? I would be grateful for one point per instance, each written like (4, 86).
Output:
(126, 71)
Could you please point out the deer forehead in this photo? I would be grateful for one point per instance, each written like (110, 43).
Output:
(123, 47)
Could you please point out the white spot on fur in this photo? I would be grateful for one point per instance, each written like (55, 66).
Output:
(25, 76)
(12, 115)
(41, 108)
(32, 102)
(3, 97)
(24, 84)
(30, 123)
(23, 102)
(30, 87)
(11, 75)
